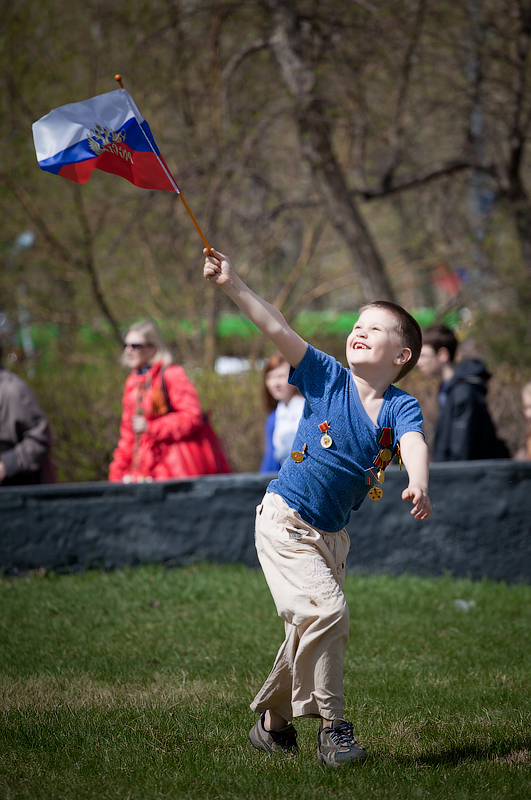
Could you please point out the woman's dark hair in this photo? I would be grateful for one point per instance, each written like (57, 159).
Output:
(274, 361)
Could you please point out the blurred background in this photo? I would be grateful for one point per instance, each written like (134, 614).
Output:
(338, 151)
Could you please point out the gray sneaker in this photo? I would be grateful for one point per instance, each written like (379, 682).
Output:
(282, 741)
(337, 745)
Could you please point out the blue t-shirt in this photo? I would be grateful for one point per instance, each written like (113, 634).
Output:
(328, 483)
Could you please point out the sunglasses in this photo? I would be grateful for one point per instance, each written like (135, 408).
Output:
(135, 346)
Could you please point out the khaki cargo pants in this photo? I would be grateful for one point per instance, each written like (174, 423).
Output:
(305, 570)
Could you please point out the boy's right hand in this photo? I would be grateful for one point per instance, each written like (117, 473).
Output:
(217, 268)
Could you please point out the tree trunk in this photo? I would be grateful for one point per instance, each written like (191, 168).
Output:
(521, 209)
(519, 126)
(314, 137)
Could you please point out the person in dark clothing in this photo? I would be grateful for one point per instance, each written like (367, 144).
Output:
(465, 431)
(24, 434)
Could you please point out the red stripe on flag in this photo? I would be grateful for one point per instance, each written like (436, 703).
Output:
(80, 172)
(140, 168)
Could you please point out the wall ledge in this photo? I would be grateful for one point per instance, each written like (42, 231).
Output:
(480, 526)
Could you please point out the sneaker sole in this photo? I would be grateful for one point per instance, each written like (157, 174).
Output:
(323, 760)
(258, 745)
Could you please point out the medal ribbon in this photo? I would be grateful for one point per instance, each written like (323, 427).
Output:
(385, 437)
(375, 474)
(371, 477)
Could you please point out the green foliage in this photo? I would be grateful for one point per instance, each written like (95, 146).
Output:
(396, 81)
(236, 410)
(136, 684)
(81, 394)
(83, 407)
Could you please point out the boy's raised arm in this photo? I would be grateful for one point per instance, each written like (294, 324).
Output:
(266, 317)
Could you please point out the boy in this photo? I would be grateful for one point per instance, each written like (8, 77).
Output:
(352, 420)
(464, 431)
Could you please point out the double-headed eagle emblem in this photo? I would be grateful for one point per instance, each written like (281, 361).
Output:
(99, 138)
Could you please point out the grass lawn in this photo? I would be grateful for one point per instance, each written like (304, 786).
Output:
(137, 683)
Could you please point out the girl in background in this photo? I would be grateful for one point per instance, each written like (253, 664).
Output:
(285, 404)
(164, 433)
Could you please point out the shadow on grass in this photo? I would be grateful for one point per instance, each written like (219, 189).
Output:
(510, 751)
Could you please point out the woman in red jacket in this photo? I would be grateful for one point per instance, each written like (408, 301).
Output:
(164, 433)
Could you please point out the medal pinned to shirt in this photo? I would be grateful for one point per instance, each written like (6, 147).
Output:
(298, 455)
(326, 439)
(375, 475)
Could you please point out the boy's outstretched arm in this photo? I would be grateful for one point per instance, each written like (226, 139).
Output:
(414, 452)
(266, 317)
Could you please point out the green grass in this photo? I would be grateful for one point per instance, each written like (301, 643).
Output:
(136, 684)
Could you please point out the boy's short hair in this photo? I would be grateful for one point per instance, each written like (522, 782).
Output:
(438, 336)
(408, 330)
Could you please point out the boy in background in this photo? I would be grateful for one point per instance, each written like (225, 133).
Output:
(465, 431)
(352, 422)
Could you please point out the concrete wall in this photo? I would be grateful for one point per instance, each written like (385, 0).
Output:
(481, 524)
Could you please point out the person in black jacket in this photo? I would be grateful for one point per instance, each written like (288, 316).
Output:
(465, 431)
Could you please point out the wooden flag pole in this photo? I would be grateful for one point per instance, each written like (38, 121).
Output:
(118, 78)
(200, 232)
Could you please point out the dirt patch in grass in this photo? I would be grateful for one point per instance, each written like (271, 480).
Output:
(515, 758)
(47, 693)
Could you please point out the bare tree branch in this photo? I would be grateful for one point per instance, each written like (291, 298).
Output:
(397, 125)
(89, 265)
(230, 68)
(429, 173)
(319, 291)
(33, 212)
(60, 251)
(310, 240)
(517, 135)
(316, 146)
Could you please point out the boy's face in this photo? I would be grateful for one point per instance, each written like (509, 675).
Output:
(429, 362)
(374, 342)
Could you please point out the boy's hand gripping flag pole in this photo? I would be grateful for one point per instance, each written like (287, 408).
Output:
(106, 132)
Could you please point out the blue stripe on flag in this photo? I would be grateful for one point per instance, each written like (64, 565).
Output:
(134, 139)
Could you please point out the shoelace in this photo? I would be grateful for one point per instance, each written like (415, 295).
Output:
(286, 738)
(343, 734)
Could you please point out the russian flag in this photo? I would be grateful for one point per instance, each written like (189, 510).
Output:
(106, 132)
